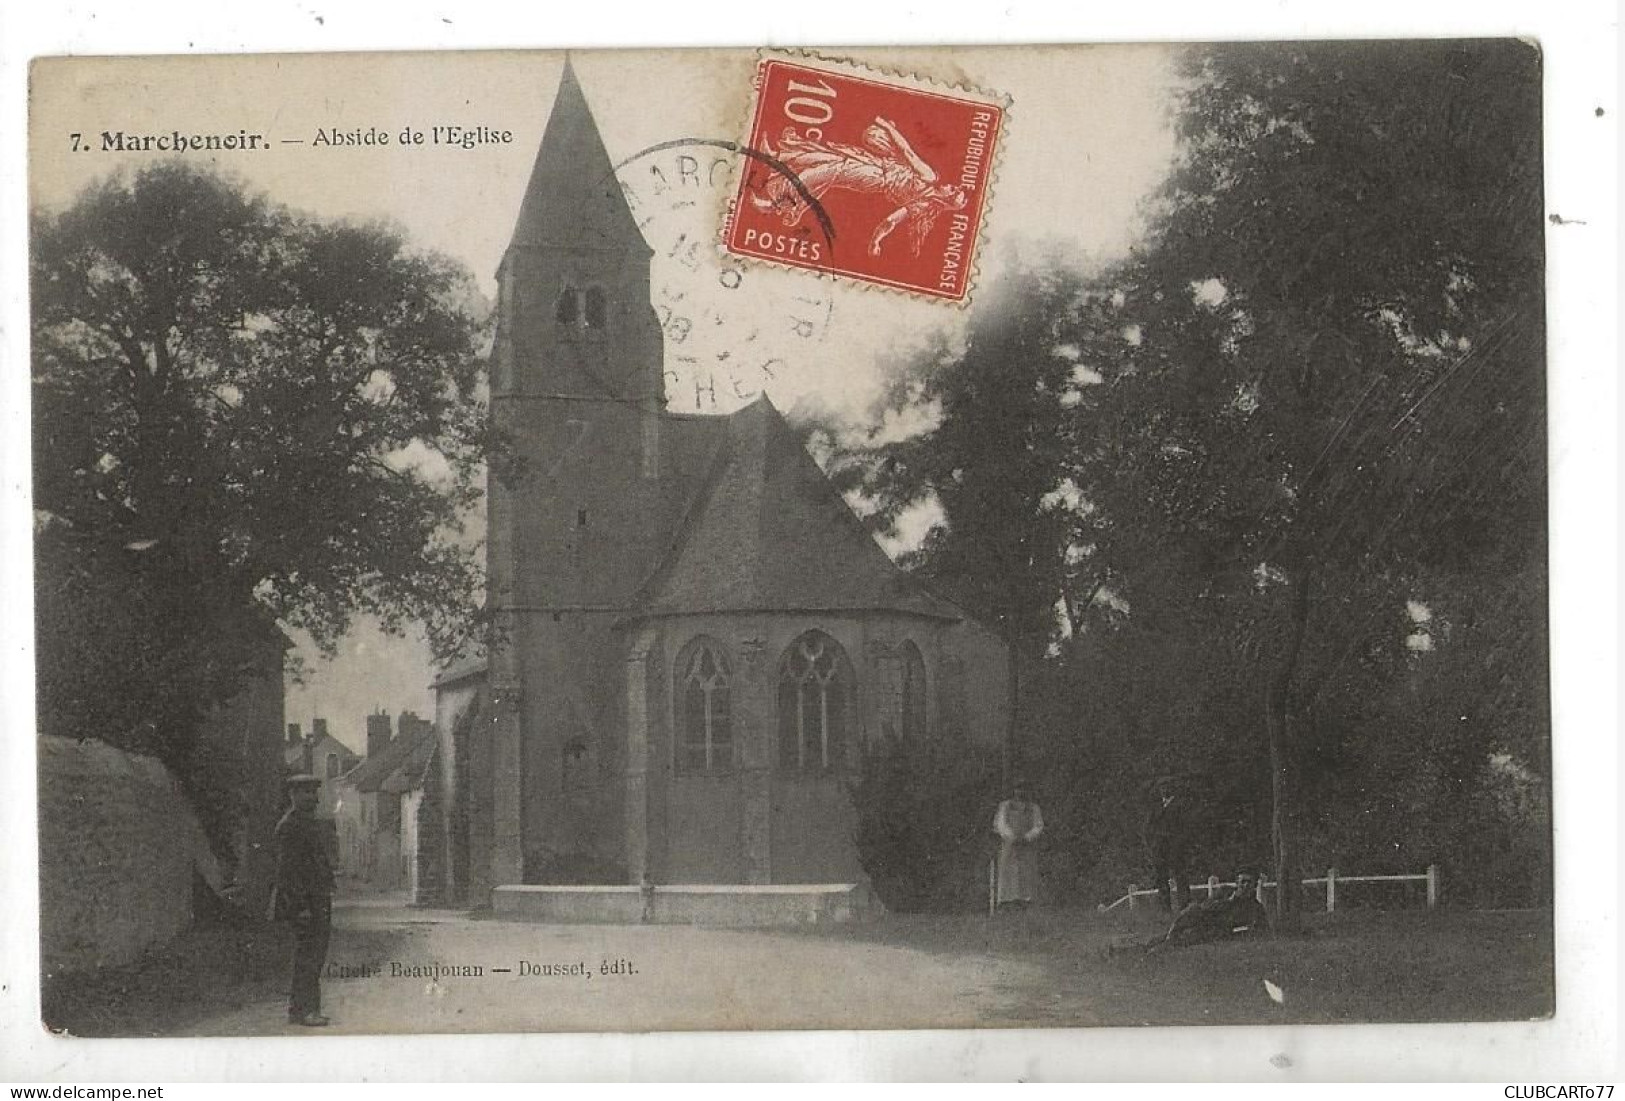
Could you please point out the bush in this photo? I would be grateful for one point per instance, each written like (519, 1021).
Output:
(924, 825)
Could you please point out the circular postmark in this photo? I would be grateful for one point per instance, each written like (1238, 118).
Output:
(732, 329)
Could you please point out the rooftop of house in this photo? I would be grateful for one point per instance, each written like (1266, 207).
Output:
(320, 746)
(397, 767)
(460, 670)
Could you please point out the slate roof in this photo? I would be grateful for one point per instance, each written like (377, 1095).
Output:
(753, 523)
(573, 199)
(293, 756)
(764, 530)
(689, 446)
(460, 669)
(397, 767)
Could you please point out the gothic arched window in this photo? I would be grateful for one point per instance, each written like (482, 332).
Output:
(704, 712)
(815, 682)
(913, 693)
(568, 309)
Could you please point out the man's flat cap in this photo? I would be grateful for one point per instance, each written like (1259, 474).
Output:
(302, 780)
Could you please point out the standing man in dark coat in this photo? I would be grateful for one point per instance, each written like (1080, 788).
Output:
(1167, 835)
(304, 896)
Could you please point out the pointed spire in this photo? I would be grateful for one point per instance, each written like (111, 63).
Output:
(573, 199)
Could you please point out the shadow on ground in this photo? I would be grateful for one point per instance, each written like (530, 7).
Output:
(1358, 967)
(1043, 968)
(212, 968)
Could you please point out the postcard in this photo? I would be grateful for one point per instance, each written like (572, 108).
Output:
(628, 541)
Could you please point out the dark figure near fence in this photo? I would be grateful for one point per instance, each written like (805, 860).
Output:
(1166, 834)
(1238, 913)
(303, 897)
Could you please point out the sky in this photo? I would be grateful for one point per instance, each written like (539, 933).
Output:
(1087, 136)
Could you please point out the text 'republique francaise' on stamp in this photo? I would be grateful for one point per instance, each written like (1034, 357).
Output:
(882, 178)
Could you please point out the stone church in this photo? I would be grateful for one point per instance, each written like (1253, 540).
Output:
(694, 638)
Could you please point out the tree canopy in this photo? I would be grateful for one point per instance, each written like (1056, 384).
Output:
(1311, 398)
(245, 418)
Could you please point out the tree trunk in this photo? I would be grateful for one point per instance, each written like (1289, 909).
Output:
(1012, 729)
(1277, 721)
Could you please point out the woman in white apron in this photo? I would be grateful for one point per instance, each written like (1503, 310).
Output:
(1018, 823)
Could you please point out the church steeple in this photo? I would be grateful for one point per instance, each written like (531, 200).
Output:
(573, 199)
(573, 505)
(574, 310)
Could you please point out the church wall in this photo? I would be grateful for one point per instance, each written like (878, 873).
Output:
(748, 824)
(812, 813)
(573, 717)
(643, 803)
(430, 884)
(813, 825)
(629, 338)
(475, 847)
(972, 698)
(571, 776)
(579, 542)
(754, 822)
(698, 823)
(580, 513)
(450, 701)
(411, 807)
(575, 543)
(705, 821)
(465, 781)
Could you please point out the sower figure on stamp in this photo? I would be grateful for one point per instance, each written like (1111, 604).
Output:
(1018, 823)
(303, 897)
(1166, 834)
(885, 164)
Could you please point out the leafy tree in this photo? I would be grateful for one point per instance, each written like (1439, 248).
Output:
(1315, 391)
(922, 820)
(1459, 777)
(993, 463)
(1342, 294)
(243, 417)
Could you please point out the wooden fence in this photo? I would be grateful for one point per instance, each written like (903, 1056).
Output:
(1330, 881)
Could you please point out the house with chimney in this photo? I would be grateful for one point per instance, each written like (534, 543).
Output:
(380, 802)
(318, 754)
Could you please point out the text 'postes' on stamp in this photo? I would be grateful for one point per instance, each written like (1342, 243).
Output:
(883, 182)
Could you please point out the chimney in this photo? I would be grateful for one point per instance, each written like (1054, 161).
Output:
(318, 729)
(377, 733)
(293, 735)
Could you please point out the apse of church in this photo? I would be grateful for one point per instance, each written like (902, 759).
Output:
(694, 636)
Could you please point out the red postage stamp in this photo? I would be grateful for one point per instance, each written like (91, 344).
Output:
(847, 172)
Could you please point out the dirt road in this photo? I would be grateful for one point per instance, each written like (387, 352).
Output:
(397, 970)
(445, 972)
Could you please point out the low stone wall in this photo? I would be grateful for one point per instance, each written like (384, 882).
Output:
(695, 904)
(118, 846)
